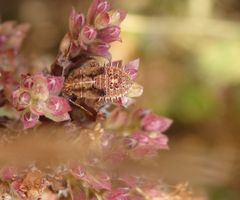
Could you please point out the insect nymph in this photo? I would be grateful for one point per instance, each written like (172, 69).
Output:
(96, 84)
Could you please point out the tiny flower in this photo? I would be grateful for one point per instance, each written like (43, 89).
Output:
(160, 140)
(132, 68)
(38, 107)
(76, 21)
(36, 97)
(55, 84)
(27, 81)
(24, 99)
(75, 49)
(103, 6)
(110, 34)
(29, 119)
(20, 100)
(58, 105)
(40, 87)
(88, 34)
(100, 49)
(97, 6)
(102, 21)
(116, 17)
(151, 122)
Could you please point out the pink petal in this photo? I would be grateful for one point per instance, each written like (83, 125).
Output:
(102, 20)
(38, 107)
(97, 6)
(76, 21)
(74, 49)
(141, 137)
(110, 34)
(26, 81)
(88, 34)
(132, 68)
(58, 105)
(130, 142)
(103, 6)
(29, 119)
(116, 17)
(24, 99)
(100, 49)
(161, 141)
(15, 100)
(40, 87)
(152, 122)
(55, 84)
(78, 171)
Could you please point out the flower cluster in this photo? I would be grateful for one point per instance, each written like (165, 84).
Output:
(145, 140)
(94, 33)
(150, 137)
(37, 96)
(81, 172)
(77, 183)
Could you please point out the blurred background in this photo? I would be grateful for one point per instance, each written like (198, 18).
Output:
(190, 68)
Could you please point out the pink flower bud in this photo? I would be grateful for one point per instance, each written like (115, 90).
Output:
(58, 105)
(40, 87)
(102, 20)
(24, 99)
(161, 141)
(27, 81)
(40, 91)
(103, 7)
(29, 119)
(97, 6)
(20, 100)
(55, 84)
(74, 49)
(132, 68)
(76, 21)
(116, 17)
(100, 49)
(88, 34)
(152, 122)
(38, 107)
(110, 34)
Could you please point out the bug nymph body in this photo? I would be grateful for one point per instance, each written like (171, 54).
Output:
(97, 82)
